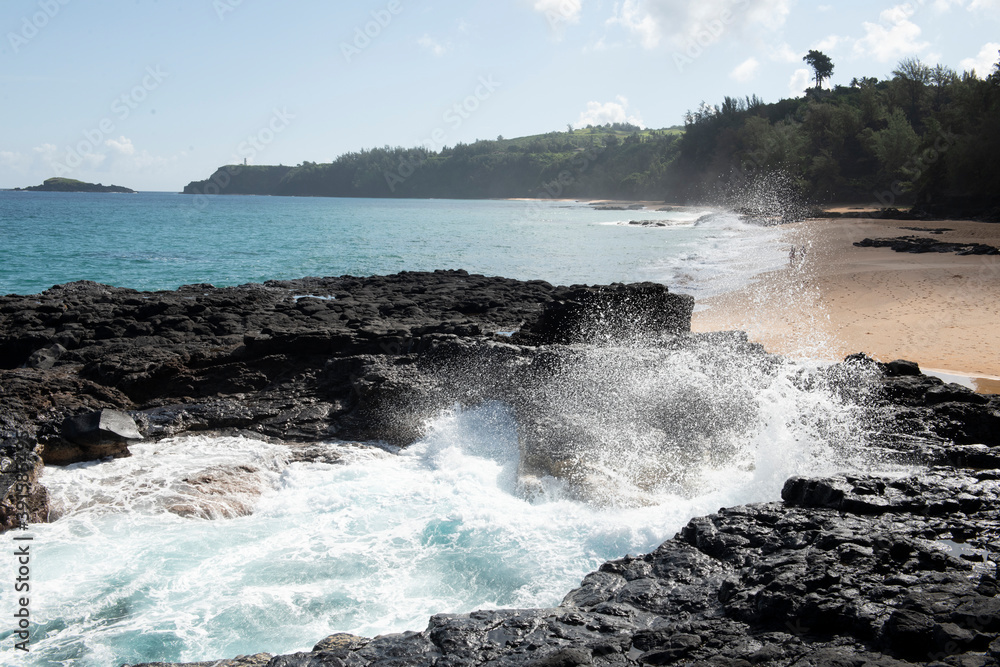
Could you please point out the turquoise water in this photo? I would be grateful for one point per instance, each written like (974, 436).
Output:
(139, 565)
(153, 241)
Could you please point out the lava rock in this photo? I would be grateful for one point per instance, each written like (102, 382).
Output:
(93, 435)
(615, 313)
(918, 244)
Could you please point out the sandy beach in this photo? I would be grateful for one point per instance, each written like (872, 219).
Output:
(940, 310)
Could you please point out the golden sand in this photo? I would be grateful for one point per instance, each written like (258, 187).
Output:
(940, 310)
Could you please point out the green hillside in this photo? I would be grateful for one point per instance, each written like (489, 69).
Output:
(925, 135)
(610, 161)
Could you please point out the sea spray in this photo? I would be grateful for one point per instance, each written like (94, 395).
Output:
(381, 540)
(630, 425)
(207, 478)
(728, 254)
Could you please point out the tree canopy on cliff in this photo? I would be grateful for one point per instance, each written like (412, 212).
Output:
(924, 133)
(821, 64)
(614, 160)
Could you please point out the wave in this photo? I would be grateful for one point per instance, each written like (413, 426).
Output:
(204, 546)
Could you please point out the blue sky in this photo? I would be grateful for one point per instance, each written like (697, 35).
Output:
(151, 94)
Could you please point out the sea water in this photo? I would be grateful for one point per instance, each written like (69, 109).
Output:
(144, 563)
(201, 547)
(152, 241)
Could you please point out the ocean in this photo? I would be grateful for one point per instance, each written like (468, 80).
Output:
(137, 566)
(154, 241)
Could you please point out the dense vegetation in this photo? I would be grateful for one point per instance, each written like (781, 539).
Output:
(925, 134)
(617, 160)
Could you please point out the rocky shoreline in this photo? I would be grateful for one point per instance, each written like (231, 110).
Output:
(848, 570)
(919, 244)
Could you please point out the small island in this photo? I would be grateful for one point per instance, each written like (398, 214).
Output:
(72, 185)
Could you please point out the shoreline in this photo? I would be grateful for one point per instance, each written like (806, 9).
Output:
(303, 362)
(937, 309)
(646, 204)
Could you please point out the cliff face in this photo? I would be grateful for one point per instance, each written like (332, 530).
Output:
(234, 179)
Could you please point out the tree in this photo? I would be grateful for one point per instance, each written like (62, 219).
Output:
(910, 80)
(895, 146)
(821, 64)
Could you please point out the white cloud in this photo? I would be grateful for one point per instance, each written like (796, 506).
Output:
(609, 112)
(430, 44)
(746, 71)
(94, 160)
(785, 54)
(121, 145)
(893, 37)
(983, 61)
(596, 47)
(801, 79)
(642, 24)
(145, 160)
(46, 152)
(685, 23)
(114, 161)
(15, 161)
(985, 6)
(828, 43)
(560, 11)
(771, 14)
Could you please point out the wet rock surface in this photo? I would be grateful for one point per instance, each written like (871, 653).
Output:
(846, 570)
(301, 361)
(919, 244)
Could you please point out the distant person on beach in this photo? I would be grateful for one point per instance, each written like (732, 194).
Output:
(791, 256)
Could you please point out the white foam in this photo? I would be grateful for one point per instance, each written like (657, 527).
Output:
(381, 541)
(727, 254)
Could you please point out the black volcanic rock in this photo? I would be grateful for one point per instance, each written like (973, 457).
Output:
(847, 570)
(918, 244)
(301, 360)
(801, 582)
(612, 313)
(94, 435)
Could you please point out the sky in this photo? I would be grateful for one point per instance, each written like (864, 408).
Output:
(152, 94)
